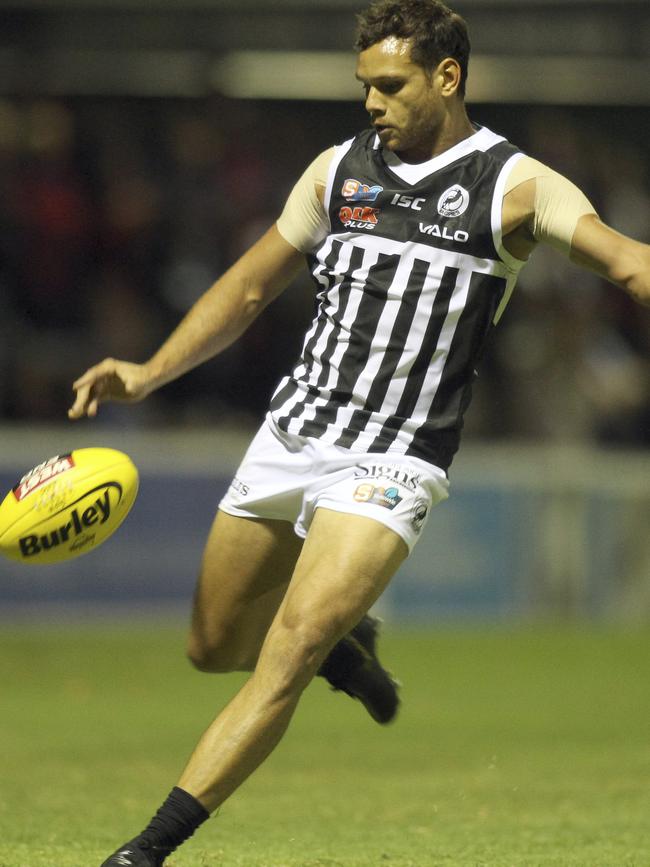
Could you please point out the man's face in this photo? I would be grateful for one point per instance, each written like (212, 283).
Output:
(402, 99)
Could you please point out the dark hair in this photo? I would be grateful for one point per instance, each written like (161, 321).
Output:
(434, 29)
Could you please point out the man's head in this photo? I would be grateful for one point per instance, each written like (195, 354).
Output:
(412, 63)
(434, 32)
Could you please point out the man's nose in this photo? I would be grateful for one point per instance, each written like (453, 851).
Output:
(374, 106)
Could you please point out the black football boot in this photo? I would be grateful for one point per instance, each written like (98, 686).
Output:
(352, 666)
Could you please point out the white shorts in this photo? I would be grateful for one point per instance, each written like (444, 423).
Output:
(287, 477)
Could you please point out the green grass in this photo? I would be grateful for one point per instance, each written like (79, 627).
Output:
(513, 749)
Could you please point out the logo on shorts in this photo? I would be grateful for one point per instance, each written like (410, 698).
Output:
(386, 497)
(240, 487)
(453, 202)
(419, 512)
(396, 474)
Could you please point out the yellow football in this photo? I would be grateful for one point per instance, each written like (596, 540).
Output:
(67, 505)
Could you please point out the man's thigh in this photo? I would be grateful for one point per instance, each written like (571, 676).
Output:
(246, 567)
(345, 565)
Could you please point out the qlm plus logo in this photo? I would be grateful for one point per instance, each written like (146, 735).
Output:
(359, 216)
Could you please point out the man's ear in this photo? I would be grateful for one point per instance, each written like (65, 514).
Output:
(448, 75)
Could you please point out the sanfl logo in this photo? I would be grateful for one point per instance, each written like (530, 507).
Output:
(453, 202)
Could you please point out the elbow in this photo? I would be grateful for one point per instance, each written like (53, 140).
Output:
(641, 295)
(254, 302)
(637, 287)
(632, 273)
(252, 298)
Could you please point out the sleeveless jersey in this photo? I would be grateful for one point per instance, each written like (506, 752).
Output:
(411, 278)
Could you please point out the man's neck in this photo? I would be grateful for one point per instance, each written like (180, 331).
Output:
(455, 128)
(458, 129)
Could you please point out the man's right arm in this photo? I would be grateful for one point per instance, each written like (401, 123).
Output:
(304, 222)
(217, 319)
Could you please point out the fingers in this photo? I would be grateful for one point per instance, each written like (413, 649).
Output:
(81, 402)
(93, 374)
(84, 404)
(110, 380)
(90, 389)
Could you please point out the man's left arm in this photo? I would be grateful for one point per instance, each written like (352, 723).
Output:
(542, 206)
(614, 256)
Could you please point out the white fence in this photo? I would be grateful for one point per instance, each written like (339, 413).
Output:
(529, 531)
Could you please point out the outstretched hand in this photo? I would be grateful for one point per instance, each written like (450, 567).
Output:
(119, 381)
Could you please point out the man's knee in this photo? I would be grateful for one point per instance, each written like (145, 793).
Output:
(217, 653)
(290, 658)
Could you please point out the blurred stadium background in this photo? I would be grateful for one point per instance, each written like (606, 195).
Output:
(143, 146)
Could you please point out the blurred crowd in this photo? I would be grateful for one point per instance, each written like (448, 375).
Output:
(115, 215)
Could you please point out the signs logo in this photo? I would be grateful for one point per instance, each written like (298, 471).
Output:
(453, 202)
(397, 475)
(398, 480)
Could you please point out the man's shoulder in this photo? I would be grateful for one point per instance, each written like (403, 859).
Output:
(494, 144)
(366, 139)
(359, 153)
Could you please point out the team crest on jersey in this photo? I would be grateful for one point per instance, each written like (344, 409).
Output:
(359, 217)
(355, 191)
(453, 202)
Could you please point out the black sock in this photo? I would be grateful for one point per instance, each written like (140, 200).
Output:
(175, 821)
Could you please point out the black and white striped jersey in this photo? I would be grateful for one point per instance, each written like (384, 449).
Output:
(411, 278)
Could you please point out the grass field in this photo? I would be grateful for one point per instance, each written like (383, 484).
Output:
(514, 748)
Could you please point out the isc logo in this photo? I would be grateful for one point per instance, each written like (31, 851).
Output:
(407, 202)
